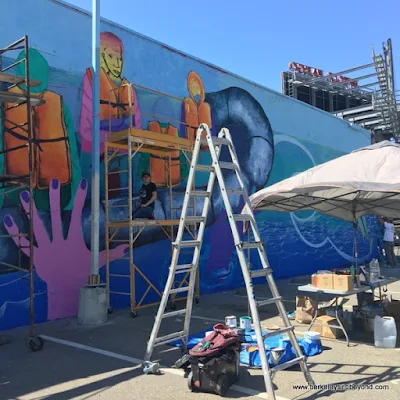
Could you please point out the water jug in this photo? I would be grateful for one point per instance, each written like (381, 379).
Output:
(385, 333)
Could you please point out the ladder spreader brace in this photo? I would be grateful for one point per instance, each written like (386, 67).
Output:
(214, 145)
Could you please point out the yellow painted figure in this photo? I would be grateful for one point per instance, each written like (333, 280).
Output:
(114, 104)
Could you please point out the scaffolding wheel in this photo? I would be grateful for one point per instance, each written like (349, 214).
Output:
(110, 310)
(134, 314)
(35, 343)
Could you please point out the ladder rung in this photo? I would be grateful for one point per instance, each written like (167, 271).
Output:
(174, 313)
(184, 271)
(260, 272)
(187, 243)
(217, 141)
(200, 193)
(243, 217)
(288, 364)
(115, 189)
(181, 267)
(169, 338)
(194, 219)
(227, 165)
(123, 293)
(234, 191)
(251, 245)
(269, 301)
(116, 172)
(279, 331)
(204, 168)
(179, 290)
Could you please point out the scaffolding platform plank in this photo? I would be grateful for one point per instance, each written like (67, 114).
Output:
(143, 222)
(150, 141)
(16, 80)
(16, 98)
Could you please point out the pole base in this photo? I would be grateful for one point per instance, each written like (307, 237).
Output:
(92, 306)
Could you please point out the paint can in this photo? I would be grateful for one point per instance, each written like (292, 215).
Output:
(230, 321)
(312, 336)
(276, 354)
(245, 323)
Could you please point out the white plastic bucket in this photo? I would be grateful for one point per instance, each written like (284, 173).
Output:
(312, 336)
(385, 332)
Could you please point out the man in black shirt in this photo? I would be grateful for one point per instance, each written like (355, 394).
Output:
(147, 197)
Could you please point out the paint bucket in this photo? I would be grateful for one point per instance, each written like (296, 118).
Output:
(276, 354)
(230, 321)
(312, 336)
(245, 323)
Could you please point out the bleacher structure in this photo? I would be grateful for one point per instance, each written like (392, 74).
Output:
(15, 93)
(364, 95)
(124, 147)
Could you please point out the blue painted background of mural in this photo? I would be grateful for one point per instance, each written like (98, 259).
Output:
(302, 137)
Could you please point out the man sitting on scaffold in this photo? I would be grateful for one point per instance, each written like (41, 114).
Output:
(147, 198)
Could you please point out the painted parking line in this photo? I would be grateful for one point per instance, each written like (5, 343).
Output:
(132, 360)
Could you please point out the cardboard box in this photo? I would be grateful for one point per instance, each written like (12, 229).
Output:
(343, 282)
(326, 330)
(323, 281)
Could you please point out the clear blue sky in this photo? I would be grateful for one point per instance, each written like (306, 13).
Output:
(257, 38)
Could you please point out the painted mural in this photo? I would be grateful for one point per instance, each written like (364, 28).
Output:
(275, 137)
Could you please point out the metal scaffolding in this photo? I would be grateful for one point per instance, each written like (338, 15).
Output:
(16, 93)
(366, 98)
(128, 144)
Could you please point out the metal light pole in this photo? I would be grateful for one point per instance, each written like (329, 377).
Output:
(95, 231)
(92, 304)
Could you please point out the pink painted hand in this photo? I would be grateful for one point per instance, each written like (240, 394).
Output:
(64, 264)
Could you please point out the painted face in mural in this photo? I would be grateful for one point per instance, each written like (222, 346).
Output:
(111, 60)
(195, 87)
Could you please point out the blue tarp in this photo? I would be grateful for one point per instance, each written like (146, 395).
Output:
(252, 358)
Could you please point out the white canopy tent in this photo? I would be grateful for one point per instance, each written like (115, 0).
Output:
(364, 182)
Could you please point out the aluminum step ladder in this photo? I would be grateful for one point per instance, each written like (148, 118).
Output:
(215, 170)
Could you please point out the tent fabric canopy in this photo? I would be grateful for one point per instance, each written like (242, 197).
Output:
(366, 181)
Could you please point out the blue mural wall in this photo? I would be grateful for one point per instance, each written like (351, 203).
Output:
(275, 137)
